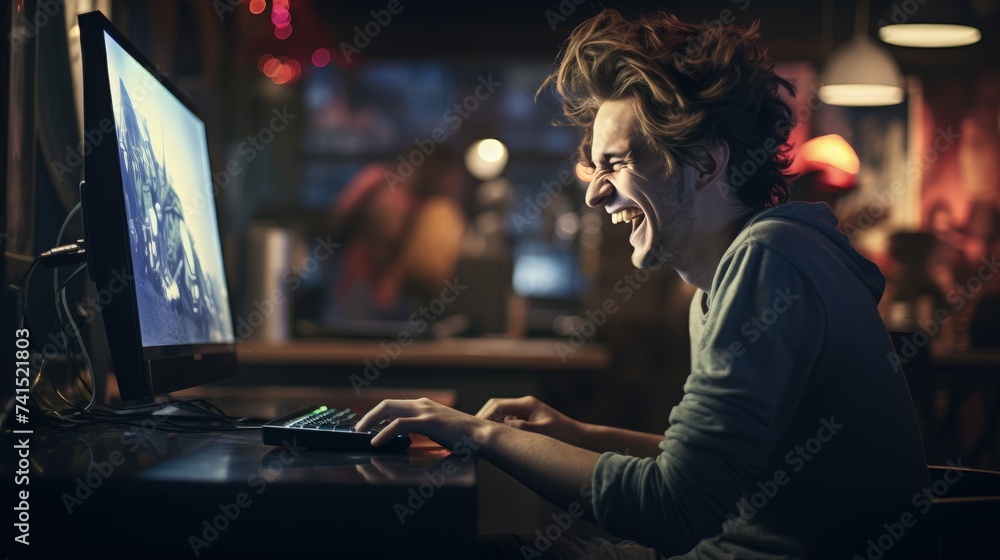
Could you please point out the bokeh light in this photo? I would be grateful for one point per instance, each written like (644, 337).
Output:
(264, 59)
(486, 159)
(491, 150)
(320, 57)
(271, 67)
(280, 16)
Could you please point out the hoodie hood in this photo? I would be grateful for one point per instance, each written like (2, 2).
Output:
(820, 217)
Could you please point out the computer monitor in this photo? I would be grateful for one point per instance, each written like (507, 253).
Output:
(150, 225)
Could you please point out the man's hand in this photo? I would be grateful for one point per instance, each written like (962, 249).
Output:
(556, 470)
(444, 425)
(531, 414)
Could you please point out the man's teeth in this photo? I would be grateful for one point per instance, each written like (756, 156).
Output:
(626, 215)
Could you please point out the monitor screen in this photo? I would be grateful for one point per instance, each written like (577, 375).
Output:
(152, 237)
(180, 283)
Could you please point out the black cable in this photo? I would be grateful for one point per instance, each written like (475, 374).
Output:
(26, 279)
(88, 414)
(77, 410)
(70, 352)
(164, 423)
(59, 237)
(24, 286)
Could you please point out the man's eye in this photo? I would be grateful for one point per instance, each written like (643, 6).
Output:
(617, 165)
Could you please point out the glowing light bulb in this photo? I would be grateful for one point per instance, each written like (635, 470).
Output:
(486, 159)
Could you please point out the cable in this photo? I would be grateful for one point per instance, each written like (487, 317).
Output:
(59, 237)
(83, 347)
(76, 409)
(53, 255)
(89, 413)
(24, 286)
(65, 282)
(65, 223)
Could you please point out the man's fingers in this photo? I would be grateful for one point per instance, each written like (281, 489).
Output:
(523, 425)
(370, 417)
(385, 409)
(519, 424)
(397, 426)
(489, 409)
(496, 409)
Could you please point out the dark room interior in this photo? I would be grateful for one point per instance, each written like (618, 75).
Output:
(331, 204)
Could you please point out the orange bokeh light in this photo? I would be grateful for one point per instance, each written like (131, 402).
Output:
(271, 68)
(833, 150)
(264, 59)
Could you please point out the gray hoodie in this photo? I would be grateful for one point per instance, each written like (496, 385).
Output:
(795, 429)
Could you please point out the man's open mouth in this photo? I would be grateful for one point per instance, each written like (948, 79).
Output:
(626, 215)
(629, 215)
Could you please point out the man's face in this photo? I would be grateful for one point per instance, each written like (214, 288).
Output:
(629, 183)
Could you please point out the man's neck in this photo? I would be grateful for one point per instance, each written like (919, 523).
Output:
(708, 248)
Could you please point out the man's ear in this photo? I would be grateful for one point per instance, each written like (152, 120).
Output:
(712, 165)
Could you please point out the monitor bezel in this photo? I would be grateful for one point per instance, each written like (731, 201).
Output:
(141, 371)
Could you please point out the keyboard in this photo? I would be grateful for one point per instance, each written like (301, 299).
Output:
(324, 427)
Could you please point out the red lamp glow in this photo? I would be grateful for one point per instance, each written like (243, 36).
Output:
(834, 159)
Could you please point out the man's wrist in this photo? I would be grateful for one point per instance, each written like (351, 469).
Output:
(485, 434)
(583, 434)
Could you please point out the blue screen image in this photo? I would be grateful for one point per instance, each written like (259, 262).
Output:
(176, 252)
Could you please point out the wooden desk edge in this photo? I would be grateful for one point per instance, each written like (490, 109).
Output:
(558, 354)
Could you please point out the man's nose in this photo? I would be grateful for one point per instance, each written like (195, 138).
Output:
(599, 191)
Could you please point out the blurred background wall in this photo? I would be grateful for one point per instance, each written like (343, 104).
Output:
(413, 140)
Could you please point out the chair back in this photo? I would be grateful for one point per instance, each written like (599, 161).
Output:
(965, 512)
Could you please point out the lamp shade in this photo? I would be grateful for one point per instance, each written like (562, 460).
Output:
(930, 25)
(861, 73)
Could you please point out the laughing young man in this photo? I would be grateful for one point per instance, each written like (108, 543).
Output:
(794, 438)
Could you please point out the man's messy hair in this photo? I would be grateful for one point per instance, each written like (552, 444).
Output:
(692, 86)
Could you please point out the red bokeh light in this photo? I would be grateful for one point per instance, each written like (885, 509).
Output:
(271, 67)
(264, 58)
(257, 6)
(282, 70)
(320, 57)
(283, 31)
(280, 16)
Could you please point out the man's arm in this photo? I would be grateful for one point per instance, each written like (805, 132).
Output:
(558, 471)
(629, 442)
(530, 414)
(738, 402)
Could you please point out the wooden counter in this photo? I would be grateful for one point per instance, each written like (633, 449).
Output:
(485, 353)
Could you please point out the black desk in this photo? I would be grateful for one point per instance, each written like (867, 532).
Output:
(128, 492)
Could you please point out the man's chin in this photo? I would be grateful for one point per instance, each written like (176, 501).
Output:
(639, 259)
(646, 258)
